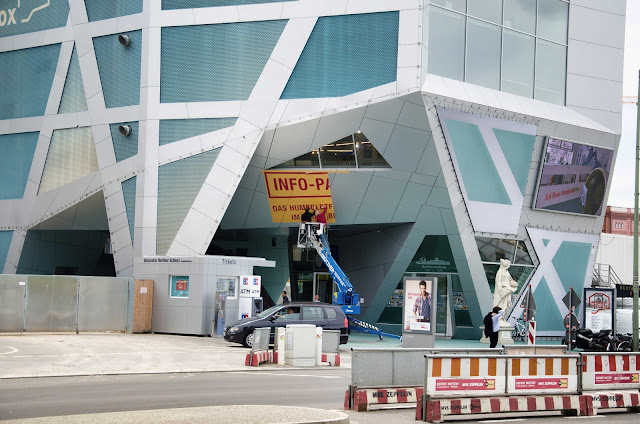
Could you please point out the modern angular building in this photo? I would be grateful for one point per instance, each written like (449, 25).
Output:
(452, 134)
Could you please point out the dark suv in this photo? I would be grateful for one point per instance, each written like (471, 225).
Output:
(329, 317)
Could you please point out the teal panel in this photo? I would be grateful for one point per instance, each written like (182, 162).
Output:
(179, 286)
(119, 69)
(21, 17)
(179, 183)
(571, 263)
(517, 149)
(16, 155)
(73, 97)
(548, 317)
(43, 251)
(129, 192)
(479, 174)
(124, 147)
(346, 54)
(235, 57)
(192, 4)
(98, 10)
(178, 129)
(5, 241)
(26, 77)
(546, 241)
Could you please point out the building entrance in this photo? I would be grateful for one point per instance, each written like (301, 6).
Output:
(323, 286)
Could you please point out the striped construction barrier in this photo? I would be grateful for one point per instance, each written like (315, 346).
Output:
(371, 399)
(531, 334)
(616, 399)
(542, 374)
(617, 371)
(435, 410)
(254, 359)
(331, 358)
(447, 376)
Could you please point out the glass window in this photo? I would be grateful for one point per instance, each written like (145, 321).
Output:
(522, 254)
(368, 156)
(492, 250)
(228, 285)
(458, 5)
(309, 160)
(551, 65)
(520, 15)
(483, 54)
(288, 313)
(553, 19)
(446, 44)
(338, 154)
(489, 10)
(312, 313)
(461, 314)
(331, 313)
(517, 63)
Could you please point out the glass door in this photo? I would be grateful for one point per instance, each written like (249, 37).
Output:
(323, 286)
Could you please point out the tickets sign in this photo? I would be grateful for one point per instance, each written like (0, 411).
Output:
(291, 192)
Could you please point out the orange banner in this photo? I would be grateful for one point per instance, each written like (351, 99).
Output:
(291, 192)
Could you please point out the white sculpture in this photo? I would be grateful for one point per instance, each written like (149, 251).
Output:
(504, 287)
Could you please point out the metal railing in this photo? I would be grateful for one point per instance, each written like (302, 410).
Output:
(604, 276)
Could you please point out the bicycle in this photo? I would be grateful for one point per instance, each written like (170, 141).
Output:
(519, 330)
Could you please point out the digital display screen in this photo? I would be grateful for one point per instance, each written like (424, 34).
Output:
(574, 177)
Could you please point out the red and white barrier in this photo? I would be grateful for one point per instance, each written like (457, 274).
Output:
(531, 337)
(465, 376)
(331, 358)
(254, 359)
(369, 399)
(437, 409)
(542, 374)
(629, 399)
(615, 371)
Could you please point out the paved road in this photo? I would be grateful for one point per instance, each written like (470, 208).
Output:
(41, 397)
(45, 397)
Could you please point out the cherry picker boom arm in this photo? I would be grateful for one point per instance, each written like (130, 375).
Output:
(313, 235)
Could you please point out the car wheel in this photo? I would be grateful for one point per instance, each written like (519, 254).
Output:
(248, 339)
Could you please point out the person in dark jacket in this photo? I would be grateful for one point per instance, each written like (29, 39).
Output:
(492, 326)
(307, 216)
(285, 299)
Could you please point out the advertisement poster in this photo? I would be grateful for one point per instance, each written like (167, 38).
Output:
(180, 286)
(598, 309)
(574, 177)
(418, 303)
(291, 192)
(459, 302)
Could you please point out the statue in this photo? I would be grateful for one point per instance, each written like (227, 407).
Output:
(505, 285)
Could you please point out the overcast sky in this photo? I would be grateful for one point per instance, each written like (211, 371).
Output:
(623, 184)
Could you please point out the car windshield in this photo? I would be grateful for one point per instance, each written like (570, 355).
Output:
(268, 312)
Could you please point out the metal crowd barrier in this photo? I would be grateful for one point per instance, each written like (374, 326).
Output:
(610, 371)
(330, 341)
(261, 339)
(376, 368)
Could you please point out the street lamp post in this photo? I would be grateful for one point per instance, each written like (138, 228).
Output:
(634, 320)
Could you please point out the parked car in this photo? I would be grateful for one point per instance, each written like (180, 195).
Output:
(327, 316)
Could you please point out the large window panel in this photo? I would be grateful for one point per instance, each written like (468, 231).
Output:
(551, 66)
(338, 154)
(483, 54)
(520, 15)
(446, 44)
(518, 63)
(553, 19)
(489, 10)
(457, 5)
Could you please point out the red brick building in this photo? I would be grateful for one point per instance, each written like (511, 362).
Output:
(618, 221)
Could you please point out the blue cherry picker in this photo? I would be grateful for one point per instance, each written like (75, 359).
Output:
(314, 235)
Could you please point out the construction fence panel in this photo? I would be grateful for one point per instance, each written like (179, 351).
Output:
(51, 303)
(12, 291)
(542, 374)
(464, 375)
(103, 303)
(376, 368)
(610, 371)
(261, 339)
